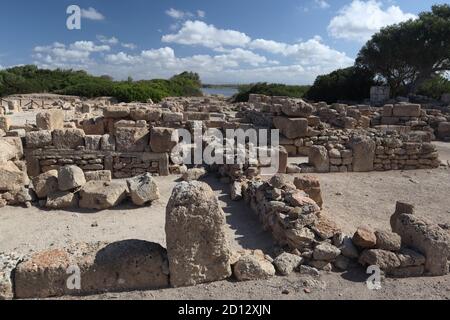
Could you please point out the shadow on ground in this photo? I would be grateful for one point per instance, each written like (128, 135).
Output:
(248, 230)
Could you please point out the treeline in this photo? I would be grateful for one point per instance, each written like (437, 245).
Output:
(269, 89)
(31, 79)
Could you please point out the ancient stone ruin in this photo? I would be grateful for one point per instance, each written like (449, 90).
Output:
(97, 155)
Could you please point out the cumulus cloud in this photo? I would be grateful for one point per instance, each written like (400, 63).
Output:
(110, 41)
(75, 55)
(359, 20)
(130, 46)
(92, 14)
(322, 4)
(207, 35)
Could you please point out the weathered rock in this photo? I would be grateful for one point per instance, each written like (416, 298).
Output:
(365, 238)
(131, 139)
(318, 157)
(143, 189)
(104, 267)
(150, 114)
(291, 128)
(11, 177)
(308, 270)
(172, 117)
(70, 178)
(116, 112)
(388, 240)
(410, 258)
(62, 200)
(102, 195)
(406, 110)
(281, 181)
(100, 175)
(428, 238)
(8, 262)
(363, 153)
(92, 142)
(68, 138)
(300, 238)
(325, 228)
(286, 263)
(407, 272)
(5, 123)
(11, 148)
(38, 139)
(94, 126)
(326, 252)
(193, 174)
(300, 200)
(45, 183)
(50, 120)
(108, 143)
(197, 247)
(253, 267)
(386, 260)
(161, 140)
(311, 186)
(299, 109)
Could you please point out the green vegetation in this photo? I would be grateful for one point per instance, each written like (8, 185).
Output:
(270, 89)
(407, 54)
(344, 84)
(30, 79)
(435, 87)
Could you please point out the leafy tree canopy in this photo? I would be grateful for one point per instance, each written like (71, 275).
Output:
(407, 54)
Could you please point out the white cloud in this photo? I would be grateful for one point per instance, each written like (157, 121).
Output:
(130, 46)
(201, 14)
(322, 4)
(76, 55)
(92, 14)
(359, 20)
(110, 41)
(200, 33)
(178, 14)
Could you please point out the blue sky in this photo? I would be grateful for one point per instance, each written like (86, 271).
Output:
(288, 41)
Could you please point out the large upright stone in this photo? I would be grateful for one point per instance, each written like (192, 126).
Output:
(318, 157)
(161, 140)
(10, 149)
(291, 128)
(363, 153)
(131, 139)
(428, 238)
(197, 247)
(50, 120)
(70, 178)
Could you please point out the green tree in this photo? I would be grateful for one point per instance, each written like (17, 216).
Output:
(352, 83)
(407, 54)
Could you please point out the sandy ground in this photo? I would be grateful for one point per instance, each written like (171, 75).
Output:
(353, 199)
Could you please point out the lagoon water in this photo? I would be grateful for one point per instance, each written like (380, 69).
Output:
(225, 91)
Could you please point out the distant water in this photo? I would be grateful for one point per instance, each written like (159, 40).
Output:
(225, 91)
